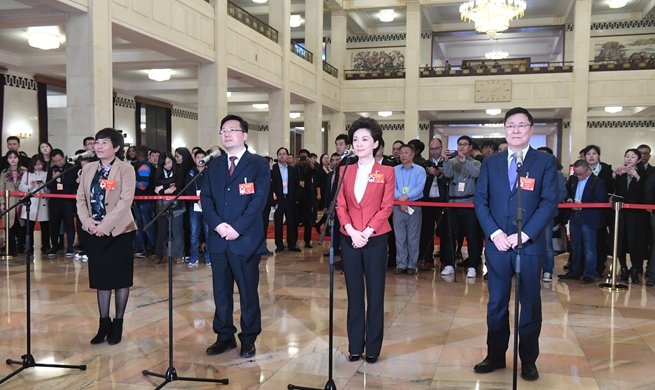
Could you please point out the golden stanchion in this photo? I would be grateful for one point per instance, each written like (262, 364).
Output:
(610, 285)
(6, 255)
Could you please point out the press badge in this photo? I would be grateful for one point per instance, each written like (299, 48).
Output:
(196, 205)
(246, 188)
(109, 185)
(405, 190)
(302, 183)
(60, 187)
(527, 184)
(461, 187)
(376, 177)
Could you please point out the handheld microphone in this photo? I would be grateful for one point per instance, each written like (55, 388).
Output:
(87, 154)
(519, 158)
(211, 156)
(348, 153)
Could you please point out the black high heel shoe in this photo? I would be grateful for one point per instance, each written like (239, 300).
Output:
(354, 358)
(634, 273)
(371, 359)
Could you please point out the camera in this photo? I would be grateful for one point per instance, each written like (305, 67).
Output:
(302, 158)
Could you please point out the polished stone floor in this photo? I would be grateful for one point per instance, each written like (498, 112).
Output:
(435, 331)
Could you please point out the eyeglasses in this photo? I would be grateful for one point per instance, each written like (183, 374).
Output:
(580, 175)
(520, 126)
(463, 144)
(226, 131)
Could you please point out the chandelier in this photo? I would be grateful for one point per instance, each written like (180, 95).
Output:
(492, 16)
(496, 54)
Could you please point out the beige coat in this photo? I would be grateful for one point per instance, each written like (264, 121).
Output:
(9, 185)
(118, 201)
(39, 206)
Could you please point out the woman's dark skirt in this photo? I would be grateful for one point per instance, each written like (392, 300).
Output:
(111, 261)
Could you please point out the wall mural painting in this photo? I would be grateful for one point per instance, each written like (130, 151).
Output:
(377, 60)
(623, 48)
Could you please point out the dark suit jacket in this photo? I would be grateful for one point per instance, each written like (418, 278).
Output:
(441, 182)
(594, 192)
(221, 202)
(496, 205)
(634, 194)
(293, 183)
(606, 175)
(376, 204)
(649, 190)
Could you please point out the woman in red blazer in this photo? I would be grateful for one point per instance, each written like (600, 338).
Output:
(364, 205)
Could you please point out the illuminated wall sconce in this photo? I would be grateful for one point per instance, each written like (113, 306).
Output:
(25, 134)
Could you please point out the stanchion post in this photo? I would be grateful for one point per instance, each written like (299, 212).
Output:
(613, 286)
(6, 226)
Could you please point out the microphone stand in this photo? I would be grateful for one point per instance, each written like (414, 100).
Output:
(171, 372)
(27, 360)
(517, 272)
(329, 385)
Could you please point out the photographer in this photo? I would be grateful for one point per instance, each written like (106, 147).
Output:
(435, 190)
(306, 173)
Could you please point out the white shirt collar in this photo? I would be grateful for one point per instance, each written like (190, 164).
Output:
(510, 152)
(238, 155)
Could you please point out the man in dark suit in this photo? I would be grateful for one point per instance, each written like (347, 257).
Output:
(435, 190)
(496, 206)
(584, 187)
(645, 157)
(13, 144)
(233, 197)
(286, 186)
(306, 174)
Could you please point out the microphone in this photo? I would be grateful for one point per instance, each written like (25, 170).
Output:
(82, 156)
(211, 156)
(348, 153)
(519, 158)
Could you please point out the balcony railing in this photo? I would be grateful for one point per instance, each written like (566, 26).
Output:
(302, 52)
(355, 74)
(467, 70)
(244, 17)
(327, 68)
(622, 65)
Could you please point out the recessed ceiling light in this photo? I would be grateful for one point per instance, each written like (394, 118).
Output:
(493, 111)
(229, 93)
(294, 115)
(259, 1)
(386, 15)
(618, 3)
(295, 21)
(260, 106)
(613, 110)
(385, 114)
(44, 38)
(159, 74)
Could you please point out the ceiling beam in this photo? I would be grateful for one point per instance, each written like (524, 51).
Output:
(357, 24)
(648, 9)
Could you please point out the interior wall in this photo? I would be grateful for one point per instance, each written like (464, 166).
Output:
(21, 112)
(185, 130)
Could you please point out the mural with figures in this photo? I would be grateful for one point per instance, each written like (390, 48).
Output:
(623, 48)
(381, 59)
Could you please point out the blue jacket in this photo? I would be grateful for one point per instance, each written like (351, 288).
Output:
(496, 206)
(594, 192)
(221, 202)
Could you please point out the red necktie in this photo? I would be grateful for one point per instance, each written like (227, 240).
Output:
(232, 165)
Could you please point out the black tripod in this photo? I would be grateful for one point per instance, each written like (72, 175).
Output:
(329, 385)
(27, 360)
(171, 373)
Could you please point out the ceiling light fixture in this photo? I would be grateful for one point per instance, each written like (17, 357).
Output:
(385, 114)
(492, 16)
(159, 74)
(260, 106)
(294, 115)
(493, 111)
(496, 54)
(386, 15)
(295, 21)
(44, 38)
(259, 1)
(613, 110)
(229, 93)
(618, 3)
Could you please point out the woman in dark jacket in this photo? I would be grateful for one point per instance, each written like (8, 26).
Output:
(169, 181)
(633, 224)
(604, 239)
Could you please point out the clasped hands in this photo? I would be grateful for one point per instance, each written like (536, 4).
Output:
(359, 238)
(93, 229)
(227, 232)
(504, 242)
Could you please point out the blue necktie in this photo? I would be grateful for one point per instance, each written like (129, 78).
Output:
(511, 173)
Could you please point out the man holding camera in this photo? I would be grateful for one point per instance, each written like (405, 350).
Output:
(306, 173)
(434, 191)
(462, 170)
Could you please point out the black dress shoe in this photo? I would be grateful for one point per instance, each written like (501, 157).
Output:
(279, 249)
(650, 282)
(371, 359)
(308, 245)
(634, 275)
(295, 249)
(248, 350)
(586, 280)
(529, 371)
(338, 265)
(221, 346)
(269, 253)
(489, 364)
(353, 358)
(327, 254)
(569, 275)
(486, 276)
(623, 277)
(567, 265)
(437, 254)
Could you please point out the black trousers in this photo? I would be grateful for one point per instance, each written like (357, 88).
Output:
(391, 244)
(62, 210)
(285, 208)
(305, 217)
(16, 236)
(465, 221)
(430, 217)
(45, 234)
(365, 268)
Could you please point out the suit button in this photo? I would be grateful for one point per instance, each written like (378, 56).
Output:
(228, 188)
(511, 198)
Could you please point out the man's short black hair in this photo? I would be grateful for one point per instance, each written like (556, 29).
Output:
(301, 151)
(518, 110)
(366, 123)
(466, 138)
(13, 138)
(418, 145)
(142, 152)
(491, 144)
(282, 148)
(398, 142)
(546, 149)
(344, 137)
(409, 146)
(57, 152)
(242, 123)
(581, 164)
(313, 155)
(335, 154)
(87, 139)
(644, 146)
(199, 151)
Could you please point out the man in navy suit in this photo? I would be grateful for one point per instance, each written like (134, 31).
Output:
(233, 197)
(496, 206)
(583, 187)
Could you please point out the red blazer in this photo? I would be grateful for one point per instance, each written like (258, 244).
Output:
(376, 205)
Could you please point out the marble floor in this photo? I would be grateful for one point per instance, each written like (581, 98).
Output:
(435, 331)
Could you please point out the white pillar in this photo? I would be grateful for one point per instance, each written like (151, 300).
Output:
(314, 42)
(413, 43)
(88, 73)
(279, 100)
(338, 35)
(580, 103)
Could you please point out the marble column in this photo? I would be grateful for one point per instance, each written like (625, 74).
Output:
(314, 42)
(88, 73)
(338, 35)
(212, 83)
(279, 99)
(413, 42)
(337, 126)
(580, 102)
